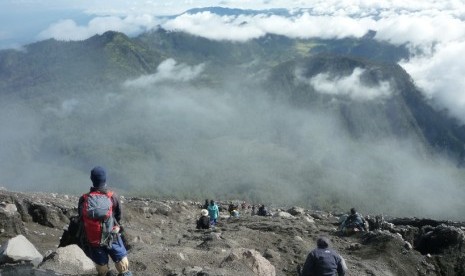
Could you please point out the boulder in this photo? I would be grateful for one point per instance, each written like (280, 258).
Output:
(309, 219)
(19, 249)
(296, 211)
(69, 260)
(11, 224)
(161, 208)
(282, 214)
(271, 254)
(435, 240)
(253, 260)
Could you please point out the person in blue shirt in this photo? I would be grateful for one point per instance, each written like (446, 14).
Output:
(323, 261)
(213, 212)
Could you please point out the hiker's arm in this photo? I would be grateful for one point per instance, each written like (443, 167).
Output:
(308, 266)
(341, 267)
(81, 200)
(116, 208)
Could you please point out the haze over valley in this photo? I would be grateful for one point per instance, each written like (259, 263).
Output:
(245, 110)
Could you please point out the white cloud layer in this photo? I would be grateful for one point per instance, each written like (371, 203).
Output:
(441, 75)
(434, 30)
(349, 86)
(69, 30)
(168, 70)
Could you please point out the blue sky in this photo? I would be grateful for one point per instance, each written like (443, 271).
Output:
(434, 30)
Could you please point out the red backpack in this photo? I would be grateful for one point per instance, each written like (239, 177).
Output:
(97, 215)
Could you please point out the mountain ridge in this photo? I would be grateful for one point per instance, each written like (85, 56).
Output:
(248, 119)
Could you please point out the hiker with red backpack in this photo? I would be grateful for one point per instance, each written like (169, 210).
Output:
(100, 212)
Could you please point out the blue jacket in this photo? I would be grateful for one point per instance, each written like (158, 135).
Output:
(213, 211)
(323, 262)
(355, 220)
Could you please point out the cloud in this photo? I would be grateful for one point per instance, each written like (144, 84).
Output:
(242, 28)
(420, 28)
(440, 76)
(350, 86)
(70, 30)
(168, 70)
(65, 109)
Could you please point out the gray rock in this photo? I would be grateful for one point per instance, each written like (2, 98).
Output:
(19, 249)
(192, 271)
(69, 260)
(282, 214)
(9, 209)
(296, 211)
(253, 260)
(271, 254)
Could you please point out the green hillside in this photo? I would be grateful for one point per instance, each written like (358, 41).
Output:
(175, 115)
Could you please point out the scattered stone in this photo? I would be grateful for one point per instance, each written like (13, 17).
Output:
(69, 260)
(296, 211)
(271, 254)
(309, 219)
(282, 214)
(19, 249)
(354, 246)
(298, 239)
(192, 271)
(253, 260)
(435, 240)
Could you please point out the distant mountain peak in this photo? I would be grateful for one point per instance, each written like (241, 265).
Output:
(235, 11)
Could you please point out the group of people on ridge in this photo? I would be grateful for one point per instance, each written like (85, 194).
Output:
(325, 261)
(208, 215)
(100, 215)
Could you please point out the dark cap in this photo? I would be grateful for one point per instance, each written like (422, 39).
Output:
(322, 242)
(98, 176)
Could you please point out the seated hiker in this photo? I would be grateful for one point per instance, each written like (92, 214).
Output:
(234, 213)
(231, 207)
(353, 223)
(205, 205)
(204, 221)
(262, 211)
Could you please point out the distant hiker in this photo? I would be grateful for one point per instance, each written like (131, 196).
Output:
(253, 210)
(100, 212)
(353, 223)
(232, 208)
(204, 221)
(234, 213)
(262, 211)
(323, 261)
(205, 205)
(213, 212)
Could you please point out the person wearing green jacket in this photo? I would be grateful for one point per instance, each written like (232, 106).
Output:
(213, 212)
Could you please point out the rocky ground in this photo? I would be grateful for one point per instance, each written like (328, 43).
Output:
(163, 239)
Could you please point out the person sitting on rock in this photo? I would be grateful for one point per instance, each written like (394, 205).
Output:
(204, 221)
(205, 205)
(323, 261)
(353, 223)
(234, 214)
(262, 211)
(213, 212)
